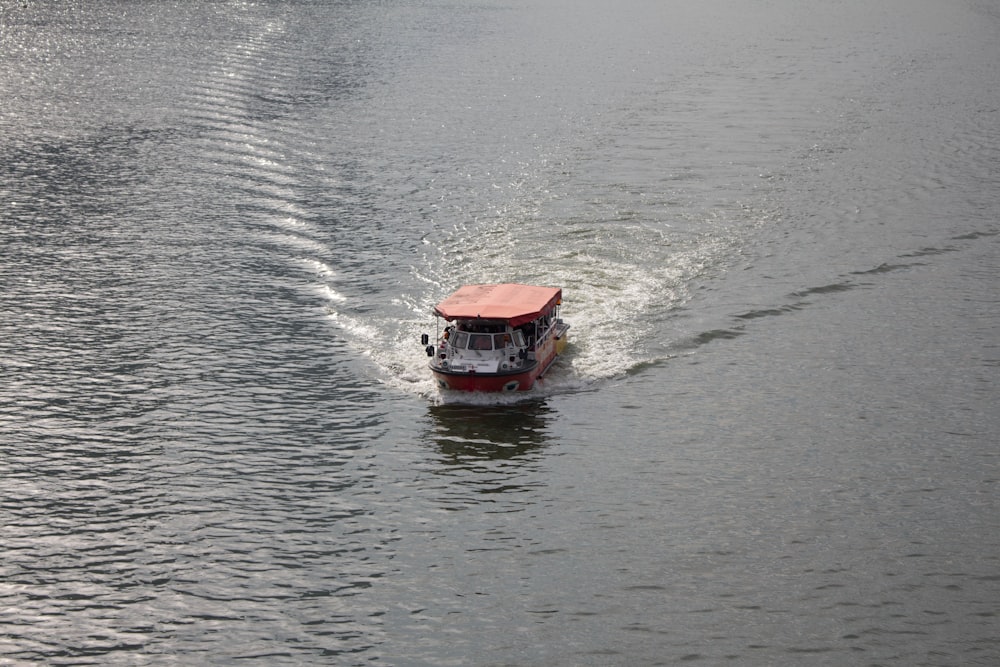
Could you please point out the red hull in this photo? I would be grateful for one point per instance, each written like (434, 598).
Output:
(487, 382)
(494, 382)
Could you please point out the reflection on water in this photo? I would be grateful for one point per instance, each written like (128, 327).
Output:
(487, 454)
(466, 433)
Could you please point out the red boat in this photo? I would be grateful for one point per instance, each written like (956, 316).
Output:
(497, 337)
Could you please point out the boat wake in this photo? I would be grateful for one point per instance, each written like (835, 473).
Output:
(378, 239)
(617, 296)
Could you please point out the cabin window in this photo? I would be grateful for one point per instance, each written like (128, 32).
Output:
(518, 338)
(461, 340)
(481, 342)
(501, 340)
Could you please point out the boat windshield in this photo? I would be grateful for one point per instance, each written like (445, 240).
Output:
(463, 340)
(480, 342)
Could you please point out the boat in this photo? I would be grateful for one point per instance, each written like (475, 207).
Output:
(496, 338)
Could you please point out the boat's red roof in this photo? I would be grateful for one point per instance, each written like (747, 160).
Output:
(517, 304)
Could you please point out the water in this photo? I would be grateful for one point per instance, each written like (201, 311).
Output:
(773, 439)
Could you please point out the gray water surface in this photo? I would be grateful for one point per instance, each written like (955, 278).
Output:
(774, 438)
